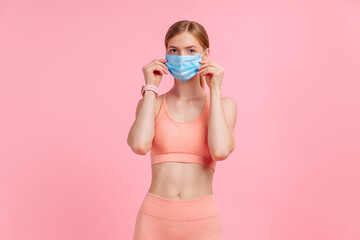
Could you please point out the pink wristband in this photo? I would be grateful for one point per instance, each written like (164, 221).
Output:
(151, 88)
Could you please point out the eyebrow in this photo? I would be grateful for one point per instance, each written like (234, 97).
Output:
(185, 47)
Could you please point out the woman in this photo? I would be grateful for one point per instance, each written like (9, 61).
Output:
(187, 131)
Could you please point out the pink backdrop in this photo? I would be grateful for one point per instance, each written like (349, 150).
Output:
(70, 78)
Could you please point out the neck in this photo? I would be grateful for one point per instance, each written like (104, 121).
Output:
(189, 90)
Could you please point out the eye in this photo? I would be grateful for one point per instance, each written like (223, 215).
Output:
(172, 49)
(192, 50)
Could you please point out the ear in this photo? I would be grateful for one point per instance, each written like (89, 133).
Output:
(207, 54)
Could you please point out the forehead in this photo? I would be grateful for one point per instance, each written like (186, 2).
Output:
(183, 40)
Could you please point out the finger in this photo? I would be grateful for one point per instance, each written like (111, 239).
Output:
(203, 66)
(208, 70)
(214, 70)
(163, 66)
(203, 71)
(160, 60)
(209, 64)
(159, 69)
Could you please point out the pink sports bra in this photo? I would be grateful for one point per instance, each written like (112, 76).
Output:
(181, 141)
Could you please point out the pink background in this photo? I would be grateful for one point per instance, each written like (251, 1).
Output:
(70, 79)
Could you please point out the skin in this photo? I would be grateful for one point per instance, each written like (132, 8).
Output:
(185, 102)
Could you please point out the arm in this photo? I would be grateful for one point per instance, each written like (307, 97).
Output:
(142, 131)
(222, 118)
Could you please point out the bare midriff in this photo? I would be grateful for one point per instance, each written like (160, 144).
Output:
(181, 181)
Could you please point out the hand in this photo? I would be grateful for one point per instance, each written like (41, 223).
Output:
(154, 70)
(213, 73)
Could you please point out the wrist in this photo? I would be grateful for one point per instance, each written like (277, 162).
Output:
(215, 88)
(153, 84)
(152, 93)
(149, 88)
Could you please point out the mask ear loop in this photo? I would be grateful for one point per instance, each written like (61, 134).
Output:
(204, 52)
(203, 78)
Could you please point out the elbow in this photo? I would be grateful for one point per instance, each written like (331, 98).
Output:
(138, 148)
(222, 155)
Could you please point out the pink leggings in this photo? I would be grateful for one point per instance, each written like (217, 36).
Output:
(163, 218)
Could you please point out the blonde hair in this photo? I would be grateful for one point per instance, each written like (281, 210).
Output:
(196, 29)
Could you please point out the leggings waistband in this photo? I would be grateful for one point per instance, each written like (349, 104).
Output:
(181, 210)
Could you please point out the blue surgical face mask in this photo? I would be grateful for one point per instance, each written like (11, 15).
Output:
(183, 67)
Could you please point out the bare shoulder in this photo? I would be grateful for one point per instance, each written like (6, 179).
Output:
(230, 108)
(229, 101)
(230, 104)
(158, 101)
